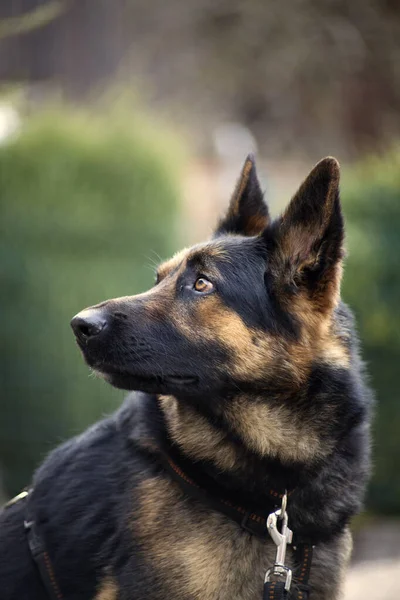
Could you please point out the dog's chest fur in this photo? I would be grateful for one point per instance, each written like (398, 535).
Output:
(197, 553)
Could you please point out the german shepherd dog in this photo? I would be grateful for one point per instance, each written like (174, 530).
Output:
(248, 384)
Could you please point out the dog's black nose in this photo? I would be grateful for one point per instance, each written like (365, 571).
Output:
(88, 323)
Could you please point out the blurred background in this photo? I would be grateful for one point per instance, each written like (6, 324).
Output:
(123, 126)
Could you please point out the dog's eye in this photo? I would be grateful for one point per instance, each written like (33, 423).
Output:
(203, 285)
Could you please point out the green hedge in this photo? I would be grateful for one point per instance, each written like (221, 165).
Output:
(371, 198)
(87, 205)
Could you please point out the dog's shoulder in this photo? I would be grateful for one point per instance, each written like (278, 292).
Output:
(98, 454)
(84, 493)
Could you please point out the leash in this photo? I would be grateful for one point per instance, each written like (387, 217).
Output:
(37, 548)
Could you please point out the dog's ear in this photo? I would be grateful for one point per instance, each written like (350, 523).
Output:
(247, 214)
(309, 236)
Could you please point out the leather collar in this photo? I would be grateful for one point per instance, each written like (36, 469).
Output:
(195, 483)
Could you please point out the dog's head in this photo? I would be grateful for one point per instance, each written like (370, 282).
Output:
(251, 309)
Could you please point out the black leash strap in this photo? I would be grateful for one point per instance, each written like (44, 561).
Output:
(275, 590)
(42, 560)
(300, 589)
(40, 555)
(304, 556)
(37, 547)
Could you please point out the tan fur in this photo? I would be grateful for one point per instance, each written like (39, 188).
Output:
(273, 432)
(156, 301)
(199, 553)
(211, 249)
(335, 353)
(207, 251)
(167, 267)
(318, 337)
(256, 224)
(197, 436)
(276, 431)
(251, 352)
(108, 590)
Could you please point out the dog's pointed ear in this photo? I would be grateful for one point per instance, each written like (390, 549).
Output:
(309, 235)
(248, 213)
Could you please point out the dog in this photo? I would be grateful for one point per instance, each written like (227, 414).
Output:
(251, 407)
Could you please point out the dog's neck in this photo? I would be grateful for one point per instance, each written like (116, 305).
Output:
(249, 451)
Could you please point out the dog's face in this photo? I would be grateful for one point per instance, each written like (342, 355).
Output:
(252, 308)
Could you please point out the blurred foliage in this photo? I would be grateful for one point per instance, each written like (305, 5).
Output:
(371, 198)
(87, 203)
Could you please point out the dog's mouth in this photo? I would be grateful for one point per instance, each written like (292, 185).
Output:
(135, 378)
(127, 380)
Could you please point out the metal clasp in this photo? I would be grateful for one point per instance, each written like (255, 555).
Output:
(278, 571)
(281, 539)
